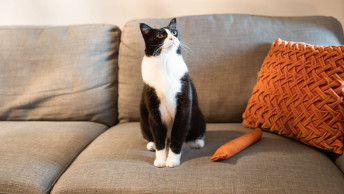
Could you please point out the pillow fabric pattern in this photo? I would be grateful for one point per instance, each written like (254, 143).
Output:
(299, 94)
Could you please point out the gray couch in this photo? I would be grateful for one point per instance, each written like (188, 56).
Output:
(69, 114)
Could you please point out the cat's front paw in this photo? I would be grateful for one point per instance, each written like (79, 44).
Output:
(159, 163)
(151, 146)
(172, 163)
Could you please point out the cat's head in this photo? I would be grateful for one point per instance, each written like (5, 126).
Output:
(161, 41)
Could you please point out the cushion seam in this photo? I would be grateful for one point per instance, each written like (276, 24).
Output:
(70, 163)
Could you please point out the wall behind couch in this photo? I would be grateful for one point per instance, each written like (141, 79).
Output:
(65, 12)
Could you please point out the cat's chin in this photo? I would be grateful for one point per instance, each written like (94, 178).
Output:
(171, 48)
(172, 44)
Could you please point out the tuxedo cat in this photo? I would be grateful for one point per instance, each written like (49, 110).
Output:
(169, 109)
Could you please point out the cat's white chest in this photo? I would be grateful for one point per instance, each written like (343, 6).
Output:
(164, 74)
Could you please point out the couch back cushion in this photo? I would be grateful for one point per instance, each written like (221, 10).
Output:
(59, 73)
(227, 52)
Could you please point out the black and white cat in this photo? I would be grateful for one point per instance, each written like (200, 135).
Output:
(169, 109)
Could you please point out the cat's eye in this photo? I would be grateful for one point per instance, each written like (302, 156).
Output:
(160, 35)
(174, 32)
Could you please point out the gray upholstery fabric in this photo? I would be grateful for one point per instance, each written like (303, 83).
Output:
(59, 73)
(340, 162)
(118, 162)
(228, 51)
(34, 154)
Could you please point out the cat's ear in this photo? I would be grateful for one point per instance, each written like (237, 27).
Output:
(145, 29)
(173, 23)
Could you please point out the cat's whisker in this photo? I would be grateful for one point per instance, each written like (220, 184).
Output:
(187, 46)
(186, 49)
(184, 43)
(157, 50)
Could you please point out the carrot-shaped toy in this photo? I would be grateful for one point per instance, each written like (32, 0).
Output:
(235, 146)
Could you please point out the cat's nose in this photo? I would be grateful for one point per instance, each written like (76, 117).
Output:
(171, 38)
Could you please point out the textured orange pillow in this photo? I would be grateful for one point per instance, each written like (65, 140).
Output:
(299, 94)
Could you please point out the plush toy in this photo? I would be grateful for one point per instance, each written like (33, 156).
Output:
(235, 146)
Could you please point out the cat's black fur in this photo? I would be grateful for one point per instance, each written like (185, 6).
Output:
(189, 123)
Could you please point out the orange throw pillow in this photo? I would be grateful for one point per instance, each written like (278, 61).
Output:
(299, 94)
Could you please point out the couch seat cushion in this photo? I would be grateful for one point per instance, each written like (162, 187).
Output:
(118, 162)
(34, 154)
(339, 161)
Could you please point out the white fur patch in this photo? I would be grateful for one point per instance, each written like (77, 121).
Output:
(163, 73)
(160, 158)
(173, 159)
(151, 146)
(198, 143)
